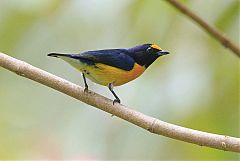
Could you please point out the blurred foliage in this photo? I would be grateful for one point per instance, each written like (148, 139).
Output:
(228, 16)
(196, 86)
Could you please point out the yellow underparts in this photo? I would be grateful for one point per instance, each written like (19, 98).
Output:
(105, 74)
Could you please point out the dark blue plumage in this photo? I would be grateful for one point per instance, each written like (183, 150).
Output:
(124, 59)
(118, 58)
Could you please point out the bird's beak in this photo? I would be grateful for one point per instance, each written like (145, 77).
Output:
(162, 52)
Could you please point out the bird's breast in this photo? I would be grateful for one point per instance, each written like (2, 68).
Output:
(105, 74)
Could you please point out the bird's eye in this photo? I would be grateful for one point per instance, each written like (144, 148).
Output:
(150, 50)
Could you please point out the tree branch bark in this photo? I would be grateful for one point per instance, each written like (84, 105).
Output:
(151, 124)
(224, 40)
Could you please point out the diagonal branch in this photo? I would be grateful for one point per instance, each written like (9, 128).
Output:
(146, 122)
(224, 40)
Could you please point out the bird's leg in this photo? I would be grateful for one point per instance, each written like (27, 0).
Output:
(110, 86)
(85, 83)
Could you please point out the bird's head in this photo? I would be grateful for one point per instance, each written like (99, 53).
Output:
(146, 54)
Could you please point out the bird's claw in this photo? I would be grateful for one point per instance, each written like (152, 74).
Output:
(86, 90)
(116, 101)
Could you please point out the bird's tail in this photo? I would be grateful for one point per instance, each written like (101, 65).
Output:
(60, 55)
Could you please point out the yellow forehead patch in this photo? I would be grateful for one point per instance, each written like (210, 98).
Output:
(155, 46)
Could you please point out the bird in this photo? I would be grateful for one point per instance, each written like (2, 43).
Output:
(113, 67)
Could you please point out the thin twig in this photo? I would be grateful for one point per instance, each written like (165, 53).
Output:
(146, 122)
(224, 40)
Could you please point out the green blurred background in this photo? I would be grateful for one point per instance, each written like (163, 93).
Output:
(196, 86)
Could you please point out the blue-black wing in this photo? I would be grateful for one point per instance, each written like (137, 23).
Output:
(118, 58)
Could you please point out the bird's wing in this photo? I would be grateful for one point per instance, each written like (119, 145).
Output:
(113, 57)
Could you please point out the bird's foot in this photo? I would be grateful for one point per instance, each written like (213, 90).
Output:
(86, 90)
(116, 101)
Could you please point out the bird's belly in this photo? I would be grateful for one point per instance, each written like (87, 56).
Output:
(105, 74)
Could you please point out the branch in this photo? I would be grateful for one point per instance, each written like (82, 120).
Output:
(146, 122)
(224, 40)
